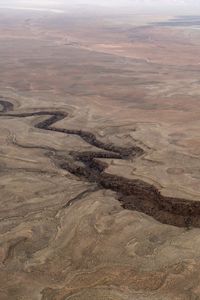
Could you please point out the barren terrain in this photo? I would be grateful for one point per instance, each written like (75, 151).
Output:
(99, 156)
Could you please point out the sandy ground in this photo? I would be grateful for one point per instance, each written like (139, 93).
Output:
(129, 83)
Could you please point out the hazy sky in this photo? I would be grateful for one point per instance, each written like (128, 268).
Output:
(163, 5)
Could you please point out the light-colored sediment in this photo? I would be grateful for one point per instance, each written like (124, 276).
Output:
(144, 95)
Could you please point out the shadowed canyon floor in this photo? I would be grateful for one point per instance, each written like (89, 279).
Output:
(99, 113)
(133, 194)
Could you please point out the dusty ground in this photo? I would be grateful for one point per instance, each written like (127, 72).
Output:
(129, 84)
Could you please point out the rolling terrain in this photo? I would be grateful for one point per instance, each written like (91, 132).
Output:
(99, 157)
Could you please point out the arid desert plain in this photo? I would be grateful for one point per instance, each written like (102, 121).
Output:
(99, 156)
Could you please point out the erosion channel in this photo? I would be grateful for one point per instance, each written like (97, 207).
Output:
(132, 193)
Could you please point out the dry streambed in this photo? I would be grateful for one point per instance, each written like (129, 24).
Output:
(133, 194)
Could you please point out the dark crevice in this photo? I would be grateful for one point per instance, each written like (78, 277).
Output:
(132, 193)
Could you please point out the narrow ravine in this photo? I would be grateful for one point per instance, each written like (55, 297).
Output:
(133, 194)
